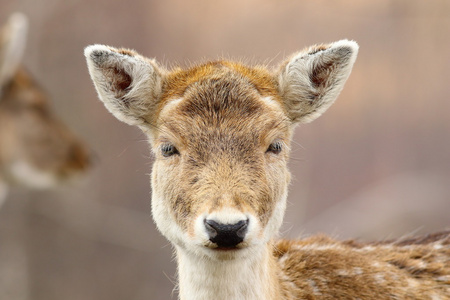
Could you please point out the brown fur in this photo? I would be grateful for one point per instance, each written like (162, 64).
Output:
(179, 80)
(323, 268)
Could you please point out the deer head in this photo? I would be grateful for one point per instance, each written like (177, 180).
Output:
(220, 133)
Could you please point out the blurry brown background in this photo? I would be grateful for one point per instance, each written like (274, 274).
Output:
(375, 166)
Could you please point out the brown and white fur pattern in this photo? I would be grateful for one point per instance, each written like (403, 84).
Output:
(221, 134)
(36, 149)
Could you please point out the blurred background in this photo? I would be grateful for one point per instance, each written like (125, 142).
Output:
(376, 165)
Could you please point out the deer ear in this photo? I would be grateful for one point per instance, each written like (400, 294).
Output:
(128, 84)
(310, 81)
(13, 38)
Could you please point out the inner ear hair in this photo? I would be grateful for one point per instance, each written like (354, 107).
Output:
(311, 80)
(128, 84)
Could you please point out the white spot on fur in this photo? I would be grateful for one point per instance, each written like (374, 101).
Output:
(318, 247)
(367, 248)
(437, 246)
(269, 101)
(394, 276)
(445, 278)
(412, 283)
(342, 272)
(376, 264)
(353, 272)
(314, 287)
(282, 260)
(435, 297)
(357, 271)
(421, 264)
(379, 278)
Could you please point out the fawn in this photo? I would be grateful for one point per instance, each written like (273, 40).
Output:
(36, 149)
(220, 133)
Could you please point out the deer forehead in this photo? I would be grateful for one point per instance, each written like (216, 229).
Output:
(180, 80)
(222, 102)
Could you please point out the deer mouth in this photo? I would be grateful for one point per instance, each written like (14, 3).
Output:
(226, 253)
(226, 249)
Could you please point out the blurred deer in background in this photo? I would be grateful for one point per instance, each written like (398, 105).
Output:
(36, 149)
(221, 135)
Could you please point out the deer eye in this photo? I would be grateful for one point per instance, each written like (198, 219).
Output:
(275, 147)
(168, 150)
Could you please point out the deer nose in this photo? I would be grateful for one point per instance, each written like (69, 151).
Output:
(226, 235)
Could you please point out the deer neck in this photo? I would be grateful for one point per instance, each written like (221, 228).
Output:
(250, 278)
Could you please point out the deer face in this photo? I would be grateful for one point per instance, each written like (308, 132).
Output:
(220, 133)
(36, 149)
(221, 149)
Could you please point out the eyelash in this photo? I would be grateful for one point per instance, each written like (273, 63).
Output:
(168, 150)
(275, 147)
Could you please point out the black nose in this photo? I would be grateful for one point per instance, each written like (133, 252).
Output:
(226, 235)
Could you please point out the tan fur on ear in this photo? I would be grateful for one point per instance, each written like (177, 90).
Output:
(12, 46)
(310, 81)
(128, 83)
